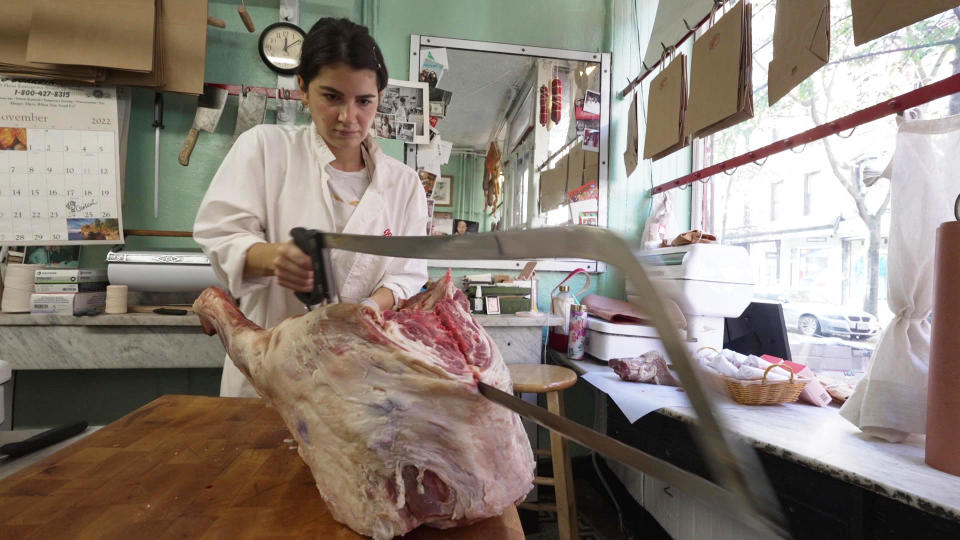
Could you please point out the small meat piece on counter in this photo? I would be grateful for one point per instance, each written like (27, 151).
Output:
(646, 368)
(385, 409)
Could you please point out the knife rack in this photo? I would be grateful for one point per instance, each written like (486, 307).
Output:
(238, 89)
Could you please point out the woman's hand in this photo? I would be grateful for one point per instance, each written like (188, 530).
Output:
(293, 268)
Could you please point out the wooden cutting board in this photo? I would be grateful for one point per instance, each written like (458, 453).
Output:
(187, 467)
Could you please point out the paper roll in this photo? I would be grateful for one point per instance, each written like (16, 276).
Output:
(163, 277)
(18, 286)
(116, 299)
(943, 399)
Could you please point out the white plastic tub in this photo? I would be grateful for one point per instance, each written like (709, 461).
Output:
(606, 340)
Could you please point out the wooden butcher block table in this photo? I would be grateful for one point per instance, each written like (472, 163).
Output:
(187, 467)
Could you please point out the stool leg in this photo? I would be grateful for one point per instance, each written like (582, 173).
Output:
(563, 475)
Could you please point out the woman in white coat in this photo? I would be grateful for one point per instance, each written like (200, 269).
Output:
(329, 175)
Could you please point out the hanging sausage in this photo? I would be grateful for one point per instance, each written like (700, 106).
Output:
(544, 105)
(557, 89)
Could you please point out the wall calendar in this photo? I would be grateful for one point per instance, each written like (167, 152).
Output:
(59, 162)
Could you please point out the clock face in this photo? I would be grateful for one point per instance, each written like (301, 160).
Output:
(280, 45)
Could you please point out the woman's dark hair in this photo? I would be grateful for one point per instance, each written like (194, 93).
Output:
(340, 41)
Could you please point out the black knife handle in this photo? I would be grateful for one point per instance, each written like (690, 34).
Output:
(42, 440)
(158, 110)
(310, 241)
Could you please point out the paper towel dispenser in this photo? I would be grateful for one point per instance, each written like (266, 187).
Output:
(161, 271)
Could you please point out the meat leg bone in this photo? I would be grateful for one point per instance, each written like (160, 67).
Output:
(733, 465)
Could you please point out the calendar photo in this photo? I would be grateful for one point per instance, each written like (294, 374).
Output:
(59, 159)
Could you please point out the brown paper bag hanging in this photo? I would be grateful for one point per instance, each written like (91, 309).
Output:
(801, 44)
(876, 18)
(721, 90)
(665, 105)
(631, 154)
(100, 33)
(553, 186)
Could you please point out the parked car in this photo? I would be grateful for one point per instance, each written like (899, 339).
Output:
(821, 319)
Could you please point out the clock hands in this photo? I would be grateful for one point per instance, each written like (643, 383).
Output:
(287, 45)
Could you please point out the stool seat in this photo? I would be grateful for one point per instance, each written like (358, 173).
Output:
(541, 378)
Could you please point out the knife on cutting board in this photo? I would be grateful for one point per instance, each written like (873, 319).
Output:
(42, 440)
(733, 465)
(209, 108)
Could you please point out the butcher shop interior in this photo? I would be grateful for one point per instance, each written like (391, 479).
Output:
(480, 270)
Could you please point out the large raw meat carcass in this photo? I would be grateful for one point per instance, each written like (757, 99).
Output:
(385, 407)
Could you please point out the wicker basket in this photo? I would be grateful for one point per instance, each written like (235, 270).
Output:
(765, 393)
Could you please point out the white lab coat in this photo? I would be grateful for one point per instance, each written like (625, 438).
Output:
(273, 180)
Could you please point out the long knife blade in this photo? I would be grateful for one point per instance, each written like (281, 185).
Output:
(687, 482)
(733, 464)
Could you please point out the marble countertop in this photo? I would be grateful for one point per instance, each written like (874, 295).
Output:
(152, 319)
(819, 438)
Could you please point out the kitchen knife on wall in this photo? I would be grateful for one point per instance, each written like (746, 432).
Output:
(738, 480)
(157, 126)
(42, 440)
(209, 108)
(251, 109)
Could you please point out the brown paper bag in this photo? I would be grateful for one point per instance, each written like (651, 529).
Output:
(575, 166)
(14, 34)
(631, 154)
(115, 34)
(721, 89)
(183, 50)
(666, 103)
(553, 186)
(876, 18)
(801, 44)
(591, 167)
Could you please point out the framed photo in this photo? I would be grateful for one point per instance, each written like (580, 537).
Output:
(443, 190)
(403, 112)
(591, 102)
(493, 305)
(591, 140)
(437, 109)
(442, 223)
(465, 226)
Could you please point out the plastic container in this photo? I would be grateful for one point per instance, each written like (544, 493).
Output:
(607, 340)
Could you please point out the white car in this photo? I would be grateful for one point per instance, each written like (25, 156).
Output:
(820, 319)
(811, 319)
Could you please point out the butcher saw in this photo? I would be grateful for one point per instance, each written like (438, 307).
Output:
(740, 486)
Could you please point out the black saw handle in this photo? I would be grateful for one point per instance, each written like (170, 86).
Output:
(42, 440)
(310, 241)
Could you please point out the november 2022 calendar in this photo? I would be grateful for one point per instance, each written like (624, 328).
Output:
(59, 162)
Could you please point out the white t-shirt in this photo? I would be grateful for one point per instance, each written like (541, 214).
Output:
(346, 190)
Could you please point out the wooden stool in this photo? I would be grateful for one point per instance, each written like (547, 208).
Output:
(552, 380)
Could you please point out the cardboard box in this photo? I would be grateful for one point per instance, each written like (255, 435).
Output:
(67, 303)
(69, 275)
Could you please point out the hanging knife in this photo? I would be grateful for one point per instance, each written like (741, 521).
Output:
(732, 464)
(158, 125)
(209, 108)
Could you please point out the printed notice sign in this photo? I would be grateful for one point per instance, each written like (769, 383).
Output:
(58, 165)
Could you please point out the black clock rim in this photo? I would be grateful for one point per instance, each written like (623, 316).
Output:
(263, 57)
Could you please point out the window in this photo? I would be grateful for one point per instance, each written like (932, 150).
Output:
(807, 217)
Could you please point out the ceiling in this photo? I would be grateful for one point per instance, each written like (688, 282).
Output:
(482, 84)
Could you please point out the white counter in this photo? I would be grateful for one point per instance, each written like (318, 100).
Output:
(817, 437)
(148, 340)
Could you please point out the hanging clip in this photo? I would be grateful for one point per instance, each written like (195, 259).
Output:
(848, 135)
(685, 23)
